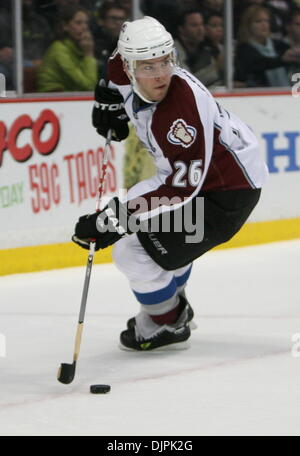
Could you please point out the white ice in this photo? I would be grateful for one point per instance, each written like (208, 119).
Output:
(240, 376)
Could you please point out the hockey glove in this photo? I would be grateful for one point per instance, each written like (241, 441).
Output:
(109, 113)
(104, 228)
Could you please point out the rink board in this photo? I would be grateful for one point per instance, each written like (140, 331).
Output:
(55, 256)
(50, 158)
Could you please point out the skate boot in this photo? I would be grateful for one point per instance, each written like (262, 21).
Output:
(190, 316)
(157, 337)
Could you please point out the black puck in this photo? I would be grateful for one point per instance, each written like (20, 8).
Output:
(99, 389)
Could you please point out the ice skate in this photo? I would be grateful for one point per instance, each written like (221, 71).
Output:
(145, 335)
(190, 312)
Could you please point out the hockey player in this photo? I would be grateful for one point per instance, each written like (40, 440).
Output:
(202, 153)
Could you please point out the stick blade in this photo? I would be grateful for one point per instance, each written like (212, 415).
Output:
(66, 373)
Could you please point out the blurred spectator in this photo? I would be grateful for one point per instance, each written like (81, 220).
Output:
(260, 60)
(293, 28)
(37, 36)
(214, 30)
(50, 9)
(6, 64)
(6, 49)
(110, 20)
(169, 11)
(165, 11)
(127, 5)
(242, 4)
(69, 63)
(293, 38)
(239, 7)
(193, 53)
(212, 6)
(189, 4)
(280, 10)
(6, 20)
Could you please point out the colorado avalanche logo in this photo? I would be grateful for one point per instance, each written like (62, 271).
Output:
(182, 134)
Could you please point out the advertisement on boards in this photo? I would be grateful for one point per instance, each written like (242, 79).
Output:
(50, 161)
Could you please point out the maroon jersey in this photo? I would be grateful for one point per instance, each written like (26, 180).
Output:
(196, 144)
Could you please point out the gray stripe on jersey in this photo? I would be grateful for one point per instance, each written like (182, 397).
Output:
(235, 158)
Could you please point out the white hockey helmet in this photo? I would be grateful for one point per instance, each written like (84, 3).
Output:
(144, 39)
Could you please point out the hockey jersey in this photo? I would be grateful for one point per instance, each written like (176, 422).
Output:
(196, 144)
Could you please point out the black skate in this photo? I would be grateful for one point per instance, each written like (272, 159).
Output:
(172, 336)
(190, 312)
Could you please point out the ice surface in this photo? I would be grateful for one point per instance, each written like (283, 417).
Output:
(238, 378)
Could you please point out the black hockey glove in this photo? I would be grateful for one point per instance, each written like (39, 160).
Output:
(109, 113)
(105, 227)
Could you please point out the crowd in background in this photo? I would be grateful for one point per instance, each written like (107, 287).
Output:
(66, 43)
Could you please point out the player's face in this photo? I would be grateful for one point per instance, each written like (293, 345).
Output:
(154, 77)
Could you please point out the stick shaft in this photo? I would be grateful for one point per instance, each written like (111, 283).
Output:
(86, 284)
(90, 259)
(78, 340)
(103, 170)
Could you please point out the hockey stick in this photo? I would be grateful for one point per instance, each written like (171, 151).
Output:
(66, 372)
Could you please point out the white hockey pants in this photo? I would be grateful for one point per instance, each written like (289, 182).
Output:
(155, 289)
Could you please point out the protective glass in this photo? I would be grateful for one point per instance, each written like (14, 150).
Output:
(154, 70)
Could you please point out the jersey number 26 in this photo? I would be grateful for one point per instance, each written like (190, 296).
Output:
(187, 175)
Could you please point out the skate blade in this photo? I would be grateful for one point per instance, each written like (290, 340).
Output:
(179, 346)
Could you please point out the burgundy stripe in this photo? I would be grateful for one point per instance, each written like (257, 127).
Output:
(115, 72)
(224, 173)
(181, 97)
(167, 318)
